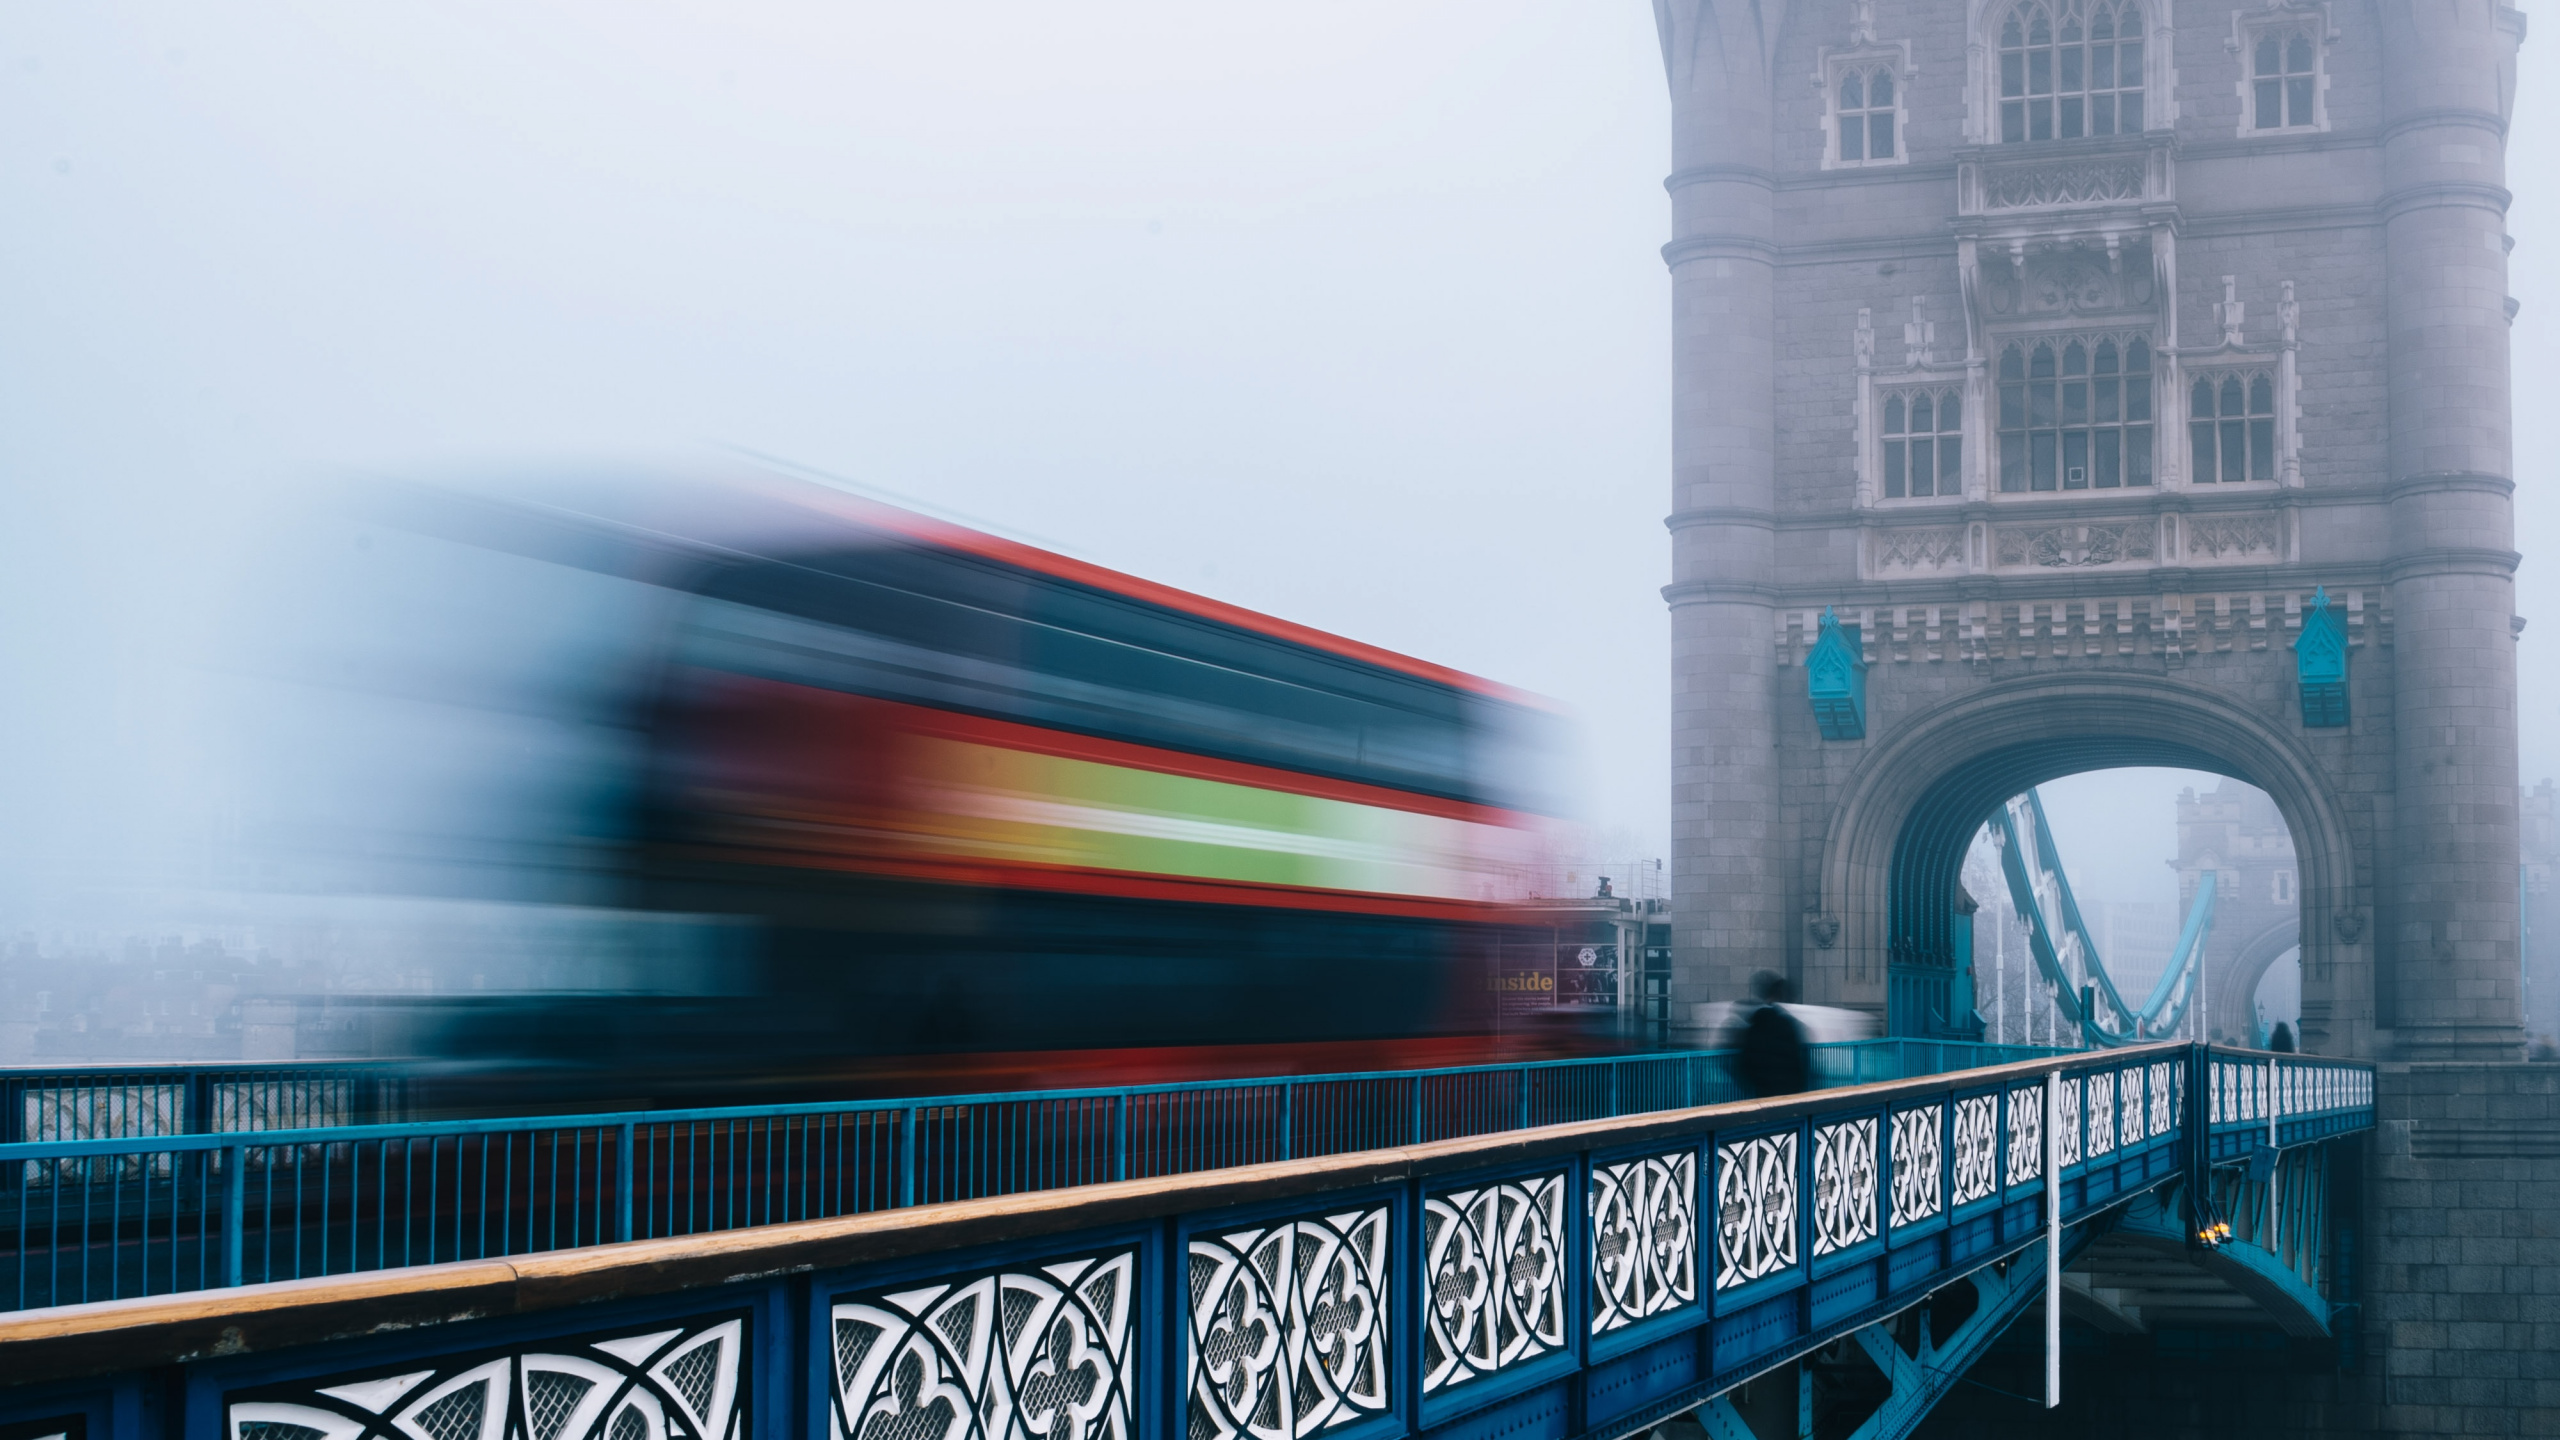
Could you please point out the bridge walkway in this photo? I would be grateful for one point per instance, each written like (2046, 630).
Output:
(144, 1180)
(1590, 1279)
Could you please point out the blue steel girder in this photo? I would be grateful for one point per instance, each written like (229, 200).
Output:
(2272, 1262)
(1916, 1366)
(2279, 1291)
(1581, 1280)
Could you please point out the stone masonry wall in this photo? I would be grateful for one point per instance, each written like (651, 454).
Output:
(2464, 1302)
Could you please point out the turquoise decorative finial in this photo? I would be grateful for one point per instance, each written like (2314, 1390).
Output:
(1836, 681)
(2320, 664)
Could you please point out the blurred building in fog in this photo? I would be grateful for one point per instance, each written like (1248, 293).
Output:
(2136, 936)
(2236, 832)
(1608, 967)
(2015, 1004)
(70, 998)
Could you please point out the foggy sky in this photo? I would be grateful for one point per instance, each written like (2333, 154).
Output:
(1352, 313)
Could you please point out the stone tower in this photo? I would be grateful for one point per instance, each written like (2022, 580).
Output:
(2078, 383)
(2257, 919)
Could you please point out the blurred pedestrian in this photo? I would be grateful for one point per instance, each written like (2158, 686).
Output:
(2281, 1041)
(1773, 1058)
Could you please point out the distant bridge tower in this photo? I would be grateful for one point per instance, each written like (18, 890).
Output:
(2257, 914)
(2128, 378)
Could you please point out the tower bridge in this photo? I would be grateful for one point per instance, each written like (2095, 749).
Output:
(2061, 385)
(2099, 568)
(2058, 384)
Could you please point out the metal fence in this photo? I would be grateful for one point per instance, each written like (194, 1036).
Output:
(147, 1209)
(100, 1102)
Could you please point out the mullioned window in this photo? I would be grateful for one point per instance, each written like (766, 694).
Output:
(2075, 414)
(2070, 70)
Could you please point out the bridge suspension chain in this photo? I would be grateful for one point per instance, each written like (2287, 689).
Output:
(2066, 953)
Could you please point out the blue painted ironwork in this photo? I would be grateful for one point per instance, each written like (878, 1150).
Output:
(666, 1381)
(2280, 1267)
(2320, 664)
(2160, 1014)
(1916, 1364)
(1465, 1296)
(1836, 681)
(2281, 1100)
(116, 1216)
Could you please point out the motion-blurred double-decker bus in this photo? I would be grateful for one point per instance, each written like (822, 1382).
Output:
(983, 816)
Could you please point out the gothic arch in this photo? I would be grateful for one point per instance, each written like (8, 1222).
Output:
(1914, 800)
(2235, 989)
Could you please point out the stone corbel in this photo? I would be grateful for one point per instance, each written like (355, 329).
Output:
(2230, 312)
(1919, 337)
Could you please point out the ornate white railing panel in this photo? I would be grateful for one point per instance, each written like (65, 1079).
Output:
(658, 1382)
(1755, 1208)
(1493, 1267)
(1644, 1227)
(1844, 1185)
(1917, 1163)
(1289, 1326)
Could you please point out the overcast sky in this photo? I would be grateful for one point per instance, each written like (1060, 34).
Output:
(1349, 312)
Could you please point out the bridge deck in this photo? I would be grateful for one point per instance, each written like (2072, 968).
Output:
(147, 1184)
(1580, 1279)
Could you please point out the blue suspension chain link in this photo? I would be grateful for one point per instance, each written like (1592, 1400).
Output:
(2040, 939)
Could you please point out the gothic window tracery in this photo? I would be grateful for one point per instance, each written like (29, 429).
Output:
(2284, 79)
(2075, 414)
(2069, 70)
(1923, 433)
(1865, 114)
(2231, 427)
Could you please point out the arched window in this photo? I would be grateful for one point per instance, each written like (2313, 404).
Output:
(2069, 70)
(2075, 414)
(1866, 114)
(2284, 71)
(2231, 427)
(1923, 444)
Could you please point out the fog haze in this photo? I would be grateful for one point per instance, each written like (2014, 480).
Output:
(1349, 313)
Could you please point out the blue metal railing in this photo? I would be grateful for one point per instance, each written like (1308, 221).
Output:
(118, 1215)
(1611, 1275)
(2258, 1099)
